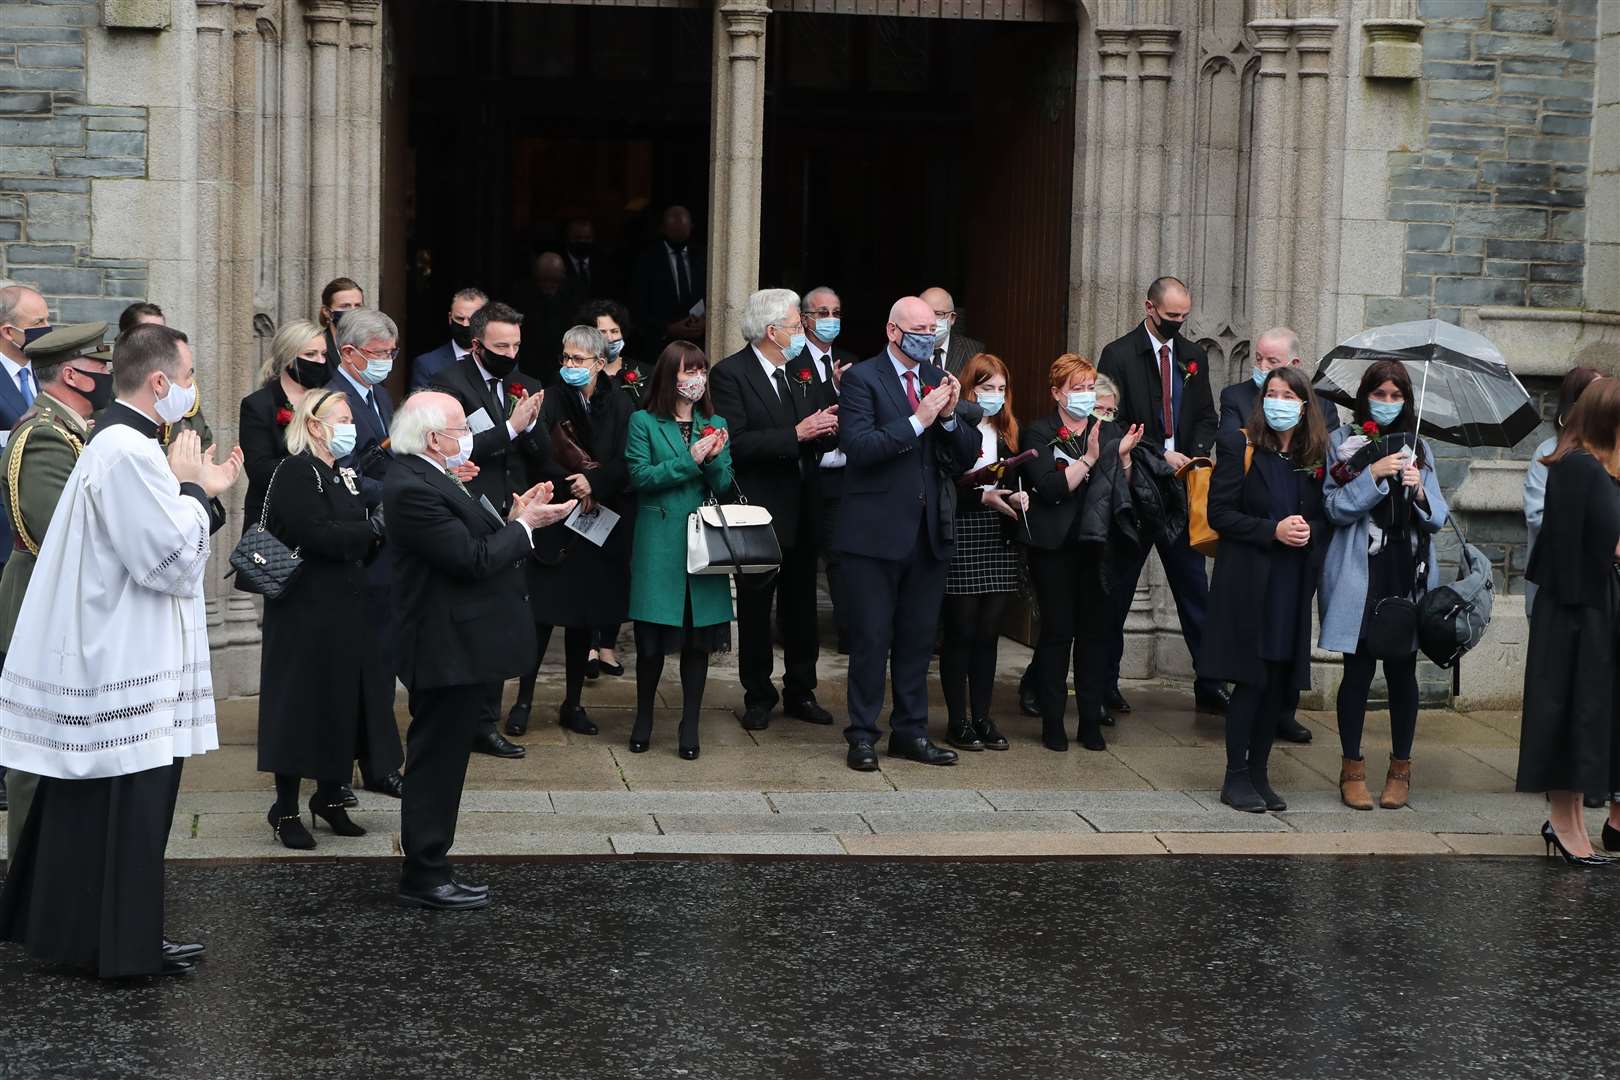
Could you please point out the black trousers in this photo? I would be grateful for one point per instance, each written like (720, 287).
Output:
(577, 645)
(85, 886)
(1188, 576)
(1075, 622)
(893, 611)
(1252, 717)
(437, 746)
(833, 559)
(793, 591)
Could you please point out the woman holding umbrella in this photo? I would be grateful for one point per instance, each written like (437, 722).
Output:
(1384, 500)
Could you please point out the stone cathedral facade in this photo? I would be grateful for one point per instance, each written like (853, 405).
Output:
(1325, 164)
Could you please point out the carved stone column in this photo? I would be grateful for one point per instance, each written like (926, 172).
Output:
(1155, 45)
(1107, 196)
(1314, 42)
(1270, 258)
(737, 123)
(363, 103)
(324, 19)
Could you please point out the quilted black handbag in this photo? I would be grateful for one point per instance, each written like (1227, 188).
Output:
(261, 563)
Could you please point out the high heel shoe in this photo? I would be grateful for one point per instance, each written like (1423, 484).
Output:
(336, 818)
(1611, 837)
(1551, 837)
(290, 831)
(517, 721)
(688, 753)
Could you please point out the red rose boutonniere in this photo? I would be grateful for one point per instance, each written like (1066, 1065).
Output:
(1068, 441)
(1189, 371)
(632, 382)
(283, 417)
(805, 376)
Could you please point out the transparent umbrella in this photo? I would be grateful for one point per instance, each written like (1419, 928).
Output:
(1466, 394)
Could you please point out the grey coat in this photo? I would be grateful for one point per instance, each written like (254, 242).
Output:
(1343, 595)
(1535, 501)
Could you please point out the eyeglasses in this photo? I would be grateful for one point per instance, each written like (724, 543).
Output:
(938, 314)
(579, 361)
(456, 432)
(387, 354)
(825, 312)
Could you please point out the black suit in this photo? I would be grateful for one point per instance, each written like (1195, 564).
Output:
(896, 533)
(1130, 362)
(775, 470)
(1237, 402)
(657, 296)
(465, 626)
(959, 349)
(505, 465)
(832, 494)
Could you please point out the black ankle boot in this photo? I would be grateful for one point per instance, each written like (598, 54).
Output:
(640, 735)
(336, 818)
(1053, 737)
(517, 721)
(1262, 787)
(1238, 792)
(962, 735)
(1090, 734)
(289, 829)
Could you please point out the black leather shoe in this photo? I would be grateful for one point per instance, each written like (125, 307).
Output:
(392, 785)
(638, 746)
(1053, 737)
(1262, 787)
(807, 710)
(476, 890)
(1291, 730)
(446, 897)
(688, 753)
(756, 719)
(1028, 703)
(175, 967)
(175, 950)
(1611, 837)
(346, 797)
(495, 744)
(593, 667)
(614, 669)
(989, 735)
(573, 718)
(1115, 701)
(337, 819)
(517, 721)
(290, 831)
(963, 736)
(862, 757)
(1104, 717)
(1238, 793)
(1213, 700)
(922, 751)
(1091, 737)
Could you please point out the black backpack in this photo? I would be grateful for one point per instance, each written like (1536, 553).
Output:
(1451, 619)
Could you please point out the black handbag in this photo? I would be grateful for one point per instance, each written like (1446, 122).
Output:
(735, 538)
(1392, 629)
(261, 563)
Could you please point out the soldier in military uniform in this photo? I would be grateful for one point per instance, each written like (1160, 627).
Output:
(74, 375)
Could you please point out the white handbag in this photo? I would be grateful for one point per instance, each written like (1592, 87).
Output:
(734, 538)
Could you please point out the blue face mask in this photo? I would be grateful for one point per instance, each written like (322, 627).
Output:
(1259, 377)
(377, 371)
(342, 443)
(918, 347)
(576, 376)
(1385, 412)
(615, 348)
(827, 329)
(795, 346)
(1282, 413)
(1079, 403)
(991, 403)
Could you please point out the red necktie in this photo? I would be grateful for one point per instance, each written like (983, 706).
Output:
(1164, 392)
(911, 389)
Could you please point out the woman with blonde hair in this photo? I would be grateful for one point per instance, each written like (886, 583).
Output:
(297, 363)
(308, 726)
(1569, 741)
(983, 571)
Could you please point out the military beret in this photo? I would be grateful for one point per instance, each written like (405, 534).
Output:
(68, 343)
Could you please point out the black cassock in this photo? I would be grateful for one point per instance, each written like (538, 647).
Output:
(1570, 739)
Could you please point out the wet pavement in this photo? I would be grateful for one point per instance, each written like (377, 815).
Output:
(1125, 967)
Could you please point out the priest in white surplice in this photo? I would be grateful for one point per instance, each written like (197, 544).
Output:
(106, 687)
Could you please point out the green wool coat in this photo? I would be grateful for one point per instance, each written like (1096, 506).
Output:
(669, 486)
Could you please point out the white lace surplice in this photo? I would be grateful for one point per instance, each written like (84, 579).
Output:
(108, 669)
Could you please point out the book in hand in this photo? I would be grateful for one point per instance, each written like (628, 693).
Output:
(993, 472)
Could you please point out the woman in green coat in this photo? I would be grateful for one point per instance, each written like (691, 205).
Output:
(677, 454)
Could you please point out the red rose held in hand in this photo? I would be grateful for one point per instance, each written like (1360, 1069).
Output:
(1065, 433)
(710, 430)
(1369, 427)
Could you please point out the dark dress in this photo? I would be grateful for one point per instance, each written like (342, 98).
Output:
(1570, 738)
(310, 707)
(574, 582)
(263, 439)
(1290, 567)
(1391, 571)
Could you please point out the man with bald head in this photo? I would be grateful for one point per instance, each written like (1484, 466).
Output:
(1275, 348)
(24, 316)
(906, 436)
(1163, 381)
(952, 350)
(464, 624)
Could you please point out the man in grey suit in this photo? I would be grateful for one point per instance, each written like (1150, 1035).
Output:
(952, 351)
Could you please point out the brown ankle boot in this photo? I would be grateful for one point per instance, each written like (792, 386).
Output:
(1397, 785)
(1353, 785)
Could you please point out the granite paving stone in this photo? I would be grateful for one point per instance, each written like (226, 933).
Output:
(1297, 843)
(1390, 821)
(761, 823)
(659, 802)
(859, 802)
(1090, 800)
(952, 821)
(982, 844)
(1169, 821)
(727, 844)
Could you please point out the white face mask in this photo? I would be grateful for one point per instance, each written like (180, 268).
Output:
(463, 454)
(173, 408)
(942, 329)
(692, 389)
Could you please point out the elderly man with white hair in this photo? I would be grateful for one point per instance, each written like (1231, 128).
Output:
(782, 419)
(465, 625)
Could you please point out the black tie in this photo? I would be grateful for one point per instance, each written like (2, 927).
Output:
(495, 396)
(782, 388)
(939, 357)
(371, 399)
(684, 280)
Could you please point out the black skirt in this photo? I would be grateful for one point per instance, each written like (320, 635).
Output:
(1570, 736)
(85, 886)
(656, 639)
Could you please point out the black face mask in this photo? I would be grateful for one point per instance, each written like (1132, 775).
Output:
(582, 250)
(496, 364)
(1169, 328)
(337, 317)
(461, 334)
(100, 395)
(310, 374)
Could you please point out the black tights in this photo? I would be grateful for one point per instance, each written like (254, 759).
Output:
(694, 675)
(1401, 678)
(967, 663)
(326, 794)
(1251, 718)
(576, 651)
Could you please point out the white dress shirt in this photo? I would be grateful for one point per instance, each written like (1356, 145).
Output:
(823, 359)
(1169, 436)
(769, 368)
(500, 393)
(900, 370)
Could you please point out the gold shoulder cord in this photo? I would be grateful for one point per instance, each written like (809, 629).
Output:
(14, 475)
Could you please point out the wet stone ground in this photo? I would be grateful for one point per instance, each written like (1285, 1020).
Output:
(1153, 967)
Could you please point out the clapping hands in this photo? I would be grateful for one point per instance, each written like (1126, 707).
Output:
(191, 464)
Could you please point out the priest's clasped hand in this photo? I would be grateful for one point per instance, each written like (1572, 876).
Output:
(192, 464)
